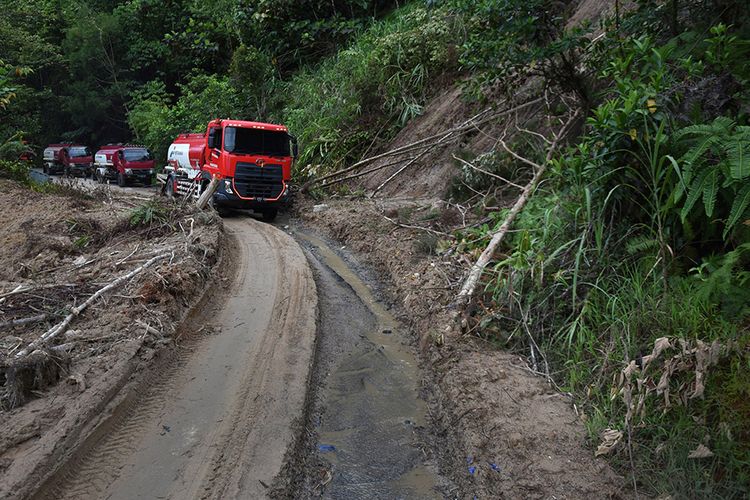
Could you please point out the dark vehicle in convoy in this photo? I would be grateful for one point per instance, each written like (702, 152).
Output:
(68, 158)
(124, 163)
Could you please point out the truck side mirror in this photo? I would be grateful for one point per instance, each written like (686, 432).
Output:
(295, 147)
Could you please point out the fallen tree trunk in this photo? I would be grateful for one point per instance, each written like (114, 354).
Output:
(63, 325)
(470, 284)
(473, 122)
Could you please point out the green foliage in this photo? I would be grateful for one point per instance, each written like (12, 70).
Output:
(716, 166)
(612, 253)
(148, 214)
(510, 40)
(203, 98)
(368, 90)
(14, 170)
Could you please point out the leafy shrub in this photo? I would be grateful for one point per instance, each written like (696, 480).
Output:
(14, 170)
(151, 212)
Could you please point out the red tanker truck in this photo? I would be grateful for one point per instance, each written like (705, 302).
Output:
(124, 163)
(252, 160)
(72, 159)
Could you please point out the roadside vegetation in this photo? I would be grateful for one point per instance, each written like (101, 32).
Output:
(626, 279)
(630, 265)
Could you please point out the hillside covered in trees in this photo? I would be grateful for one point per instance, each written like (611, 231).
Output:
(625, 276)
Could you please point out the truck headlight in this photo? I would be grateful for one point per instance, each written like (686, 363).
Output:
(150, 171)
(228, 186)
(128, 171)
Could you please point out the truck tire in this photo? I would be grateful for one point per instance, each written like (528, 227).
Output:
(147, 182)
(45, 169)
(121, 179)
(269, 214)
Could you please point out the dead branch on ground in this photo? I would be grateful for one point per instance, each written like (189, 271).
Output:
(75, 311)
(486, 172)
(418, 228)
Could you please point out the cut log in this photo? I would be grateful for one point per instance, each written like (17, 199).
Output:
(208, 193)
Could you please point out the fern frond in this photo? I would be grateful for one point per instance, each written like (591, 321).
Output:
(739, 207)
(710, 190)
(720, 126)
(641, 244)
(738, 154)
(696, 189)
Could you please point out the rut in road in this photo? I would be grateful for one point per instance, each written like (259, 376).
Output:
(216, 420)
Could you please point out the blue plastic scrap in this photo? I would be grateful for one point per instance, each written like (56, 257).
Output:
(325, 448)
(472, 470)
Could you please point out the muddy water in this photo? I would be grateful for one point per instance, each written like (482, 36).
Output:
(368, 413)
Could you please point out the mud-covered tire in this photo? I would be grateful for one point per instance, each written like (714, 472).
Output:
(121, 179)
(269, 214)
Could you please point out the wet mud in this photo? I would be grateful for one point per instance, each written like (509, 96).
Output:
(366, 419)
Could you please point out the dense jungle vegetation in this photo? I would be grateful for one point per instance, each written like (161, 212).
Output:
(630, 265)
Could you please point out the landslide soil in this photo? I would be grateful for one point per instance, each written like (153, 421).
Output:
(56, 250)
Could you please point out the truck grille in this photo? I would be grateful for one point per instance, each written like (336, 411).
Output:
(252, 181)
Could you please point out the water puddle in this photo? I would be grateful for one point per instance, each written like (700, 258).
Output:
(369, 410)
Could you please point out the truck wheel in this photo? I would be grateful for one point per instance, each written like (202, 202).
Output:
(269, 214)
(147, 182)
(120, 179)
(169, 188)
(45, 169)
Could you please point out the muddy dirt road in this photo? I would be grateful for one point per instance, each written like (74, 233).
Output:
(217, 423)
(367, 425)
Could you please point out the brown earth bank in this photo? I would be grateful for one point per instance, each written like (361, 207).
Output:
(58, 251)
(500, 430)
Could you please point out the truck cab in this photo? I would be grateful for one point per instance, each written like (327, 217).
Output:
(124, 163)
(72, 159)
(253, 161)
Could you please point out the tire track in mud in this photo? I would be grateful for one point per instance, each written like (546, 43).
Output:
(231, 395)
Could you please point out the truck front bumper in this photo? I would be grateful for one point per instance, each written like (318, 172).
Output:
(141, 175)
(227, 198)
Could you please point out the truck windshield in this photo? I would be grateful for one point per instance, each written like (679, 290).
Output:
(79, 152)
(140, 154)
(255, 141)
